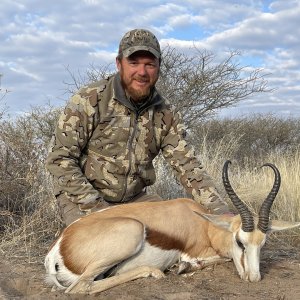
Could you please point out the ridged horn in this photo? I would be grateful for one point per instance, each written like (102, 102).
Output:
(246, 216)
(264, 212)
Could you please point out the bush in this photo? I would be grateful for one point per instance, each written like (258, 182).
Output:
(29, 217)
(26, 206)
(255, 136)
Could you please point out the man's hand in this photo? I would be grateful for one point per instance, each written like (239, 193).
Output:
(96, 205)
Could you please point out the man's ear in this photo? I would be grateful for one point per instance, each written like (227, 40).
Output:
(118, 63)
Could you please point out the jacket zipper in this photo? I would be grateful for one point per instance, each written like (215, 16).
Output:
(130, 154)
(137, 114)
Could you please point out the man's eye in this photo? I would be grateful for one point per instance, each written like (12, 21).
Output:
(240, 244)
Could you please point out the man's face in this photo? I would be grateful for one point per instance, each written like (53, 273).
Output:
(139, 73)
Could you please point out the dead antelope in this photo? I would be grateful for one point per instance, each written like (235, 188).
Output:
(130, 241)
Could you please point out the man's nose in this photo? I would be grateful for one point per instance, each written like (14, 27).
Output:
(142, 70)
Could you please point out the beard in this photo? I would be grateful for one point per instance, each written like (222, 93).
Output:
(138, 95)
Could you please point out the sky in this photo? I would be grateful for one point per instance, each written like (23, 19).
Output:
(41, 41)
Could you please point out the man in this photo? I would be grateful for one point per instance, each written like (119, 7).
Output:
(110, 132)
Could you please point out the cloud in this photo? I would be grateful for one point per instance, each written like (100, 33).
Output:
(39, 39)
(270, 38)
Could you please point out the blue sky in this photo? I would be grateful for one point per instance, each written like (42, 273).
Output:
(40, 39)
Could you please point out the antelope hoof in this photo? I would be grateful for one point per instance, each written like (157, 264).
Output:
(156, 273)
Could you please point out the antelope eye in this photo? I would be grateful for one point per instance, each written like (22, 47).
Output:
(240, 244)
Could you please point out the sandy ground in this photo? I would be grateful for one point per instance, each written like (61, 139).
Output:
(280, 270)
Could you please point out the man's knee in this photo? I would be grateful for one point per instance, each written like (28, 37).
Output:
(71, 212)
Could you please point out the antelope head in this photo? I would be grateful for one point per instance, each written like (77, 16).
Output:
(249, 233)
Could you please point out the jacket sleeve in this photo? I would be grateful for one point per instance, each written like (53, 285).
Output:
(64, 161)
(188, 168)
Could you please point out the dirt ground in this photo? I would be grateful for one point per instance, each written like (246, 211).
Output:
(280, 270)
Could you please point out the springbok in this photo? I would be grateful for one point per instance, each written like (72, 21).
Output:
(130, 241)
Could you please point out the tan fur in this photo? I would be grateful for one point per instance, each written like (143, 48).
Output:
(75, 254)
(142, 239)
(257, 237)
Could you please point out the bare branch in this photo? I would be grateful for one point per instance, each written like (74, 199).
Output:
(3, 93)
(198, 86)
(92, 74)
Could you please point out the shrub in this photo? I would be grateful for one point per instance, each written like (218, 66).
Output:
(29, 217)
(256, 135)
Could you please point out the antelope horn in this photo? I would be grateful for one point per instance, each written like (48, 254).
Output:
(246, 216)
(265, 208)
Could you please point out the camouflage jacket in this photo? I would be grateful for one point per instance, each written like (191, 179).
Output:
(104, 147)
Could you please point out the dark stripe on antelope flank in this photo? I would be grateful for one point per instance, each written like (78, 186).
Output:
(163, 241)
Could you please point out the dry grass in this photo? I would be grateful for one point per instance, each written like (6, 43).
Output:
(287, 203)
(253, 183)
(29, 236)
(29, 218)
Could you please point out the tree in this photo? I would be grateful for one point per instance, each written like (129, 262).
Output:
(92, 74)
(3, 93)
(196, 84)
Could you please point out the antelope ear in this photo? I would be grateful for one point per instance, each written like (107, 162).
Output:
(276, 225)
(218, 220)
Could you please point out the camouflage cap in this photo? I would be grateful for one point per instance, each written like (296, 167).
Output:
(137, 40)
